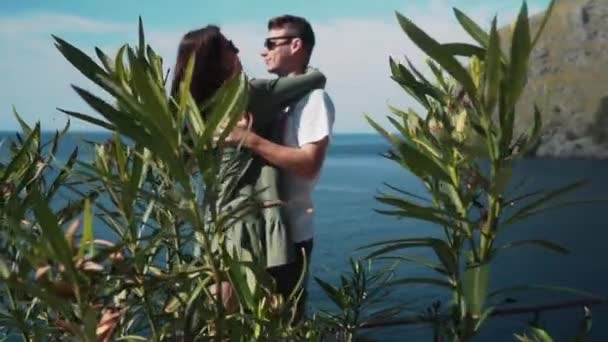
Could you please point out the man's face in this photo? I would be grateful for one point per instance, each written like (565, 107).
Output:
(279, 49)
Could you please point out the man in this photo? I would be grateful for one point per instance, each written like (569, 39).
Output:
(300, 149)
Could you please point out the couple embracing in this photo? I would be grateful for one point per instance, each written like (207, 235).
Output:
(285, 134)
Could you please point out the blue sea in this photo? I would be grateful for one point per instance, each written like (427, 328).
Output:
(345, 219)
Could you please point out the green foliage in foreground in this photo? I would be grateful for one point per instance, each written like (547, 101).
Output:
(156, 185)
(463, 151)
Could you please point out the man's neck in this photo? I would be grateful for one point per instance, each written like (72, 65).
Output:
(296, 72)
(292, 72)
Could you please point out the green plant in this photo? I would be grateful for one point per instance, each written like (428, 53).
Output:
(463, 152)
(359, 299)
(538, 334)
(159, 185)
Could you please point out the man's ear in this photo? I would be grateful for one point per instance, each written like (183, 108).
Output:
(296, 45)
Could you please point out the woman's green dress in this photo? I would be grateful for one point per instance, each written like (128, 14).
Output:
(262, 231)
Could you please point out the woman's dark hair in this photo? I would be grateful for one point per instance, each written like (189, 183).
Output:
(211, 67)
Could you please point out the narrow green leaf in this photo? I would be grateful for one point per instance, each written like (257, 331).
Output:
(533, 135)
(175, 303)
(156, 64)
(57, 303)
(152, 99)
(474, 30)
(440, 247)
(332, 292)
(73, 209)
(5, 272)
(426, 87)
(130, 338)
(87, 236)
(522, 338)
(543, 201)
(408, 82)
(434, 50)
(412, 123)
(492, 71)
(397, 246)
(57, 137)
(414, 210)
(565, 204)
(484, 316)
(229, 102)
(546, 16)
(382, 315)
(139, 167)
(63, 175)
(260, 276)
(412, 91)
(121, 72)
(301, 279)
(52, 234)
(475, 288)
(515, 200)
(407, 193)
(80, 61)
(121, 120)
(464, 50)
(142, 39)
(184, 87)
(108, 64)
(238, 279)
(419, 261)
(420, 163)
(22, 156)
(121, 158)
(419, 140)
(89, 119)
(584, 326)
(134, 130)
(438, 75)
(421, 281)
(127, 103)
(556, 289)
(541, 335)
(90, 325)
(24, 126)
(540, 243)
(198, 291)
(422, 241)
(520, 54)
(380, 129)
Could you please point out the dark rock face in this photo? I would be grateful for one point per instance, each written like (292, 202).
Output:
(568, 80)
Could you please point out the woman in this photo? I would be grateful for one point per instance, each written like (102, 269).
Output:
(263, 232)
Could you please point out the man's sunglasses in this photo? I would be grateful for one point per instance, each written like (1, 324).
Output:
(271, 43)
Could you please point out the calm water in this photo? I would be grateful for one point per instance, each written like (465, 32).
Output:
(353, 174)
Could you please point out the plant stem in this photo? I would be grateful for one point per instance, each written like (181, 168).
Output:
(149, 316)
(210, 203)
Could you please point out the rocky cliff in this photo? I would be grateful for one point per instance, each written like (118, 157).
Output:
(568, 80)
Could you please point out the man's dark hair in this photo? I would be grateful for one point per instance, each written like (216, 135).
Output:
(300, 26)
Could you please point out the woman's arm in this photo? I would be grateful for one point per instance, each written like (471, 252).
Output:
(268, 97)
(283, 90)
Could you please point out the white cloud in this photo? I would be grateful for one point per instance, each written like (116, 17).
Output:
(35, 77)
(54, 22)
(353, 52)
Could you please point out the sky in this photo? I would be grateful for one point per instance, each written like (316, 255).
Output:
(355, 39)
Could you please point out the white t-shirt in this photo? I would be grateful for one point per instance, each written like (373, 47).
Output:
(310, 120)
